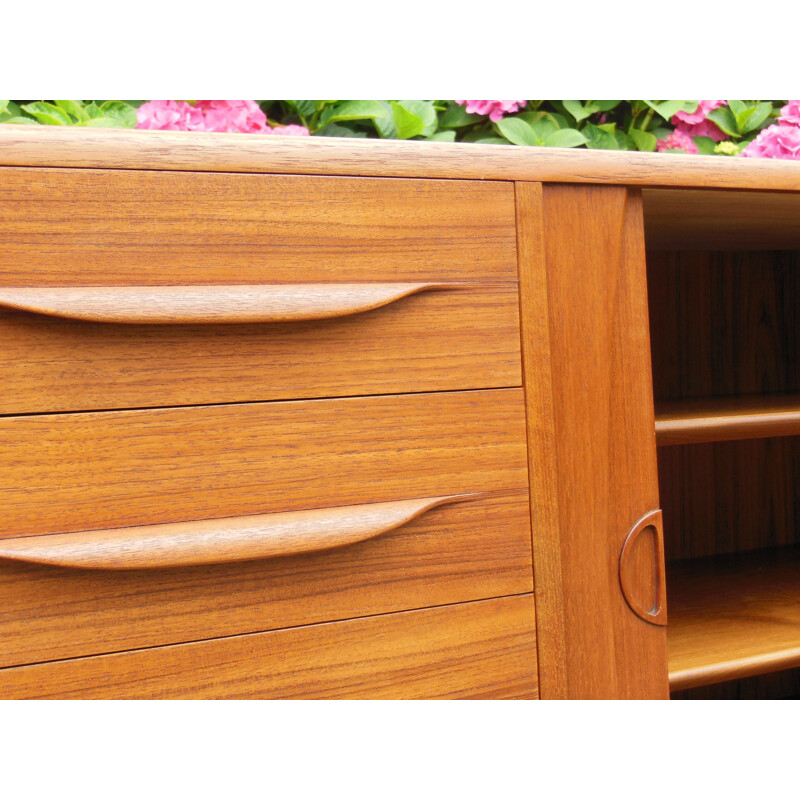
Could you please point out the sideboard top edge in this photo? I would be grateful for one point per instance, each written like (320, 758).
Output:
(51, 146)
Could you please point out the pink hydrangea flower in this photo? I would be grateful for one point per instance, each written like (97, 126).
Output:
(777, 141)
(288, 130)
(169, 115)
(232, 116)
(677, 140)
(494, 108)
(695, 117)
(696, 123)
(790, 113)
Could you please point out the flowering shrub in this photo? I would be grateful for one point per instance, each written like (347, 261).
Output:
(750, 128)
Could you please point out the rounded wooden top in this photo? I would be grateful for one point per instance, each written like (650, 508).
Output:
(51, 146)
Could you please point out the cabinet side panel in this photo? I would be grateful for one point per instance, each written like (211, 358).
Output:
(603, 437)
(541, 441)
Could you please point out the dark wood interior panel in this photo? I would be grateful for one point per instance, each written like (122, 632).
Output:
(783, 685)
(725, 497)
(724, 323)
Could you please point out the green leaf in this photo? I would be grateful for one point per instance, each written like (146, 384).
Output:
(342, 131)
(489, 140)
(598, 139)
(407, 123)
(20, 121)
(47, 113)
(116, 109)
(92, 110)
(624, 142)
(352, 110)
(73, 107)
(578, 110)
(668, 108)
(442, 136)
(705, 145)
(760, 113)
(643, 140)
(517, 131)
(425, 110)
(568, 137)
(457, 117)
(606, 105)
(725, 120)
(737, 106)
(532, 117)
(4, 105)
(385, 125)
(303, 107)
(105, 122)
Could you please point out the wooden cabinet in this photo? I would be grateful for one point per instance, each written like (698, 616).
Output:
(382, 419)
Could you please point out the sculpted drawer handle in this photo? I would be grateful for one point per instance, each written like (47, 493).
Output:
(189, 305)
(657, 612)
(217, 541)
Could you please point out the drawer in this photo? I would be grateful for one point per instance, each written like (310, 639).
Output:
(84, 471)
(473, 650)
(183, 524)
(475, 548)
(123, 289)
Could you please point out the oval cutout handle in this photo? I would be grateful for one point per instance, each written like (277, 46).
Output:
(218, 541)
(191, 305)
(657, 613)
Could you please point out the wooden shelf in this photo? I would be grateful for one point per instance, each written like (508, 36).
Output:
(733, 616)
(725, 419)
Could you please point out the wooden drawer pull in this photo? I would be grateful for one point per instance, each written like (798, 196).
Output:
(188, 305)
(217, 541)
(655, 612)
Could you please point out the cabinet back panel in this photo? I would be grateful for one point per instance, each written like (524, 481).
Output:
(724, 323)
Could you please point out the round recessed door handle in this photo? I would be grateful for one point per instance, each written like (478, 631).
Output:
(649, 604)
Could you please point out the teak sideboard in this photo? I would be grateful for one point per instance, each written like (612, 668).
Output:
(287, 418)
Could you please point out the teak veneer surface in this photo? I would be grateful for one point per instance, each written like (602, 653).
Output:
(474, 650)
(83, 471)
(733, 616)
(45, 146)
(721, 419)
(461, 338)
(478, 547)
(592, 437)
(139, 228)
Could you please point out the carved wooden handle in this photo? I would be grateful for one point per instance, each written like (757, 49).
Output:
(217, 541)
(176, 305)
(657, 612)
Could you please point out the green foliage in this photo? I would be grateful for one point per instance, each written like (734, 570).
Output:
(106, 114)
(592, 124)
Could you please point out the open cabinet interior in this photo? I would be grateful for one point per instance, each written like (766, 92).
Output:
(724, 299)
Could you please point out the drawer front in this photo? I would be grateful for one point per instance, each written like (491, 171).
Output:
(78, 472)
(473, 650)
(468, 550)
(456, 338)
(183, 558)
(338, 287)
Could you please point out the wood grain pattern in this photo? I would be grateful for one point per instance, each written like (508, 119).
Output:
(723, 419)
(682, 219)
(603, 425)
(52, 146)
(724, 323)
(477, 548)
(730, 496)
(76, 472)
(734, 616)
(542, 444)
(215, 305)
(784, 685)
(218, 541)
(433, 341)
(135, 228)
(476, 650)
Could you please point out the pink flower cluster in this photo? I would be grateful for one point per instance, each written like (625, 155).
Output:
(688, 124)
(228, 116)
(494, 108)
(781, 140)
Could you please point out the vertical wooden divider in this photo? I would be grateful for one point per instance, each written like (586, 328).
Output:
(591, 434)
